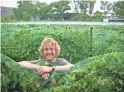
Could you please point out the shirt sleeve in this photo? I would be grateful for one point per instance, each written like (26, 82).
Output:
(62, 61)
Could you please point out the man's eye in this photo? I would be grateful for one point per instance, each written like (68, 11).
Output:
(51, 48)
(46, 48)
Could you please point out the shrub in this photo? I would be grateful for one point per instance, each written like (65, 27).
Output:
(99, 73)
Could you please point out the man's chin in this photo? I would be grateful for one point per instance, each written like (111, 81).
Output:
(49, 59)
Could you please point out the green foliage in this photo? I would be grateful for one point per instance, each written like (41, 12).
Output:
(92, 3)
(24, 10)
(42, 10)
(36, 11)
(12, 73)
(100, 74)
(21, 42)
(16, 78)
(119, 8)
(59, 8)
(81, 17)
(83, 6)
(97, 16)
(108, 41)
(106, 6)
(95, 74)
(39, 11)
(8, 18)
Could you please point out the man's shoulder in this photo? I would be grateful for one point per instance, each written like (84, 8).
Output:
(60, 59)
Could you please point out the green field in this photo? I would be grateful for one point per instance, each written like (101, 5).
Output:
(99, 66)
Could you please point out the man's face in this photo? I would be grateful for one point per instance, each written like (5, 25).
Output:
(49, 51)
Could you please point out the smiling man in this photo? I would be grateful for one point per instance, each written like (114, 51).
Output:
(49, 49)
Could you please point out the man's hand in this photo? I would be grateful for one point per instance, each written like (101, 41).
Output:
(45, 75)
(43, 69)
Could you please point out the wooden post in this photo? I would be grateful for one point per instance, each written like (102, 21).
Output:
(66, 27)
(91, 38)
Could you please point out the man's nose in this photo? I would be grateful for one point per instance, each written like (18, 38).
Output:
(49, 51)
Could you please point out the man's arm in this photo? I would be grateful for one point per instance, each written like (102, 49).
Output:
(26, 64)
(56, 68)
(42, 69)
(64, 67)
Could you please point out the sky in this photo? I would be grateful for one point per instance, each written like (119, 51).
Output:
(13, 3)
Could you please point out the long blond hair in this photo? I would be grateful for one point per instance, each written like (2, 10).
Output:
(49, 40)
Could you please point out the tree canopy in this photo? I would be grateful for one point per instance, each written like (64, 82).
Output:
(65, 10)
(119, 8)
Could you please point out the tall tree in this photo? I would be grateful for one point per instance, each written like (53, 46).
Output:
(24, 10)
(106, 7)
(91, 6)
(119, 9)
(76, 6)
(60, 7)
(49, 11)
(41, 7)
(83, 5)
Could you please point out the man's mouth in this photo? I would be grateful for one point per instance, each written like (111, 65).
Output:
(49, 54)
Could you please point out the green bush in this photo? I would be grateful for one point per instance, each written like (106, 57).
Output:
(81, 17)
(95, 74)
(21, 42)
(11, 74)
(16, 78)
(97, 16)
(104, 73)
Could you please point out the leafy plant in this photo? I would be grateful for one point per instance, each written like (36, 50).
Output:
(21, 42)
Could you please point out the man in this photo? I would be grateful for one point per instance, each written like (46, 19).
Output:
(49, 49)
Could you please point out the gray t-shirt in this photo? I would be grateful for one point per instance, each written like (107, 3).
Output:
(42, 62)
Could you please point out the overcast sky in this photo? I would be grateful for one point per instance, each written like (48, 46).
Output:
(13, 3)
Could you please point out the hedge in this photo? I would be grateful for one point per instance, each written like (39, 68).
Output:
(21, 42)
(95, 74)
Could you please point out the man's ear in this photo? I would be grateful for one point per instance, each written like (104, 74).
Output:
(40, 51)
(57, 47)
(56, 50)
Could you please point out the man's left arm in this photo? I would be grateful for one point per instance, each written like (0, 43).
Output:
(64, 67)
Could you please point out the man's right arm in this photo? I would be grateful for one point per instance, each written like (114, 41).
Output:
(39, 69)
(28, 64)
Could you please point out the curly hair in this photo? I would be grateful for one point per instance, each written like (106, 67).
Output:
(49, 40)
